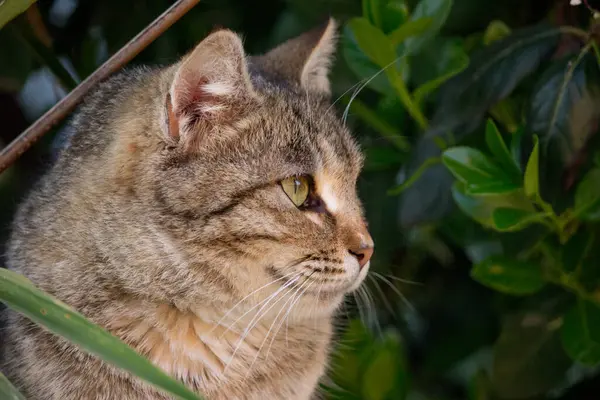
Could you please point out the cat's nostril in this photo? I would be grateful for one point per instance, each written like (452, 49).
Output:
(362, 254)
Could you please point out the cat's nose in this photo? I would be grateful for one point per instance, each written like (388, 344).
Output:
(362, 249)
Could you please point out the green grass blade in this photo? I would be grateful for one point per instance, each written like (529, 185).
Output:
(8, 391)
(21, 295)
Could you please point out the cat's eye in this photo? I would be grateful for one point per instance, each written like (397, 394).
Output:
(297, 188)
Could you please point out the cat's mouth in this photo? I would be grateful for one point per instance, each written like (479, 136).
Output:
(313, 283)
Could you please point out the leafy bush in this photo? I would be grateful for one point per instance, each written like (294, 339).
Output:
(482, 181)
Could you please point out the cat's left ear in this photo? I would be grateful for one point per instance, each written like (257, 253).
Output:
(306, 59)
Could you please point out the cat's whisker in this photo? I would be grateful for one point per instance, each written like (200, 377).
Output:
(345, 93)
(249, 295)
(407, 281)
(261, 303)
(358, 300)
(286, 318)
(359, 89)
(293, 295)
(370, 308)
(257, 318)
(395, 289)
(382, 295)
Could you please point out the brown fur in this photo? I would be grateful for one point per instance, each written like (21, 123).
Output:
(164, 222)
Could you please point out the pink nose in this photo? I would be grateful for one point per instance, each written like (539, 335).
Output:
(363, 251)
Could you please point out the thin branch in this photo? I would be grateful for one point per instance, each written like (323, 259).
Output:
(57, 113)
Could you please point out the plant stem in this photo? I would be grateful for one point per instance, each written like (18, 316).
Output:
(380, 125)
(415, 176)
(407, 100)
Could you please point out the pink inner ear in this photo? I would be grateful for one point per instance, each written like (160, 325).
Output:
(195, 102)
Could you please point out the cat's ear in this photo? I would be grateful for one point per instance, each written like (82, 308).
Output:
(305, 59)
(211, 88)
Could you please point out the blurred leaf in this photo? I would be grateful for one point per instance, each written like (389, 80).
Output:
(481, 208)
(9, 9)
(495, 31)
(498, 148)
(492, 75)
(381, 158)
(374, 120)
(580, 333)
(493, 187)
(480, 387)
(394, 14)
(587, 197)
(472, 167)
(414, 177)
(561, 91)
(22, 296)
(511, 219)
(532, 173)
(438, 11)
(410, 28)
(13, 74)
(528, 358)
(386, 373)
(8, 391)
(508, 113)
(515, 146)
(576, 249)
(372, 42)
(509, 276)
(439, 61)
(359, 61)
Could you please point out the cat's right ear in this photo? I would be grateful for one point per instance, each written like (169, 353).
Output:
(210, 90)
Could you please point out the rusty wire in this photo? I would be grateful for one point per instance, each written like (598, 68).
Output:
(18, 146)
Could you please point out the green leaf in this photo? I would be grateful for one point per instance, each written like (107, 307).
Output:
(493, 73)
(393, 15)
(13, 74)
(438, 11)
(480, 387)
(576, 249)
(580, 333)
(385, 376)
(495, 31)
(564, 107)
(8, 391)
(472, 166)
(509, 276)
(21, 295)
(372, 42)
(532, 172)
(528, 358)
(358, 59)
(493, 187)
(587, 197)
(481, 208)
(410, 28)
(439, 61)
(9, 9)
(498, 148)
(515, 146)
(511, 219)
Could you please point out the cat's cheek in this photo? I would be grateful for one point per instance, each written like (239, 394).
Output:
(362, 274)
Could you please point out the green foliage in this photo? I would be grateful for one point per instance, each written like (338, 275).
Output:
(479, 122)
(8, 391)
(9, 9)
(20, 294)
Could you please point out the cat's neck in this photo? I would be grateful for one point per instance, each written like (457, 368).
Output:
(210, 346)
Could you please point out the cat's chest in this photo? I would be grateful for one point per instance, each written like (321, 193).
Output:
(268, 357)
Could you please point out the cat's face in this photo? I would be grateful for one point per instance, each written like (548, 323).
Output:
(259, 182)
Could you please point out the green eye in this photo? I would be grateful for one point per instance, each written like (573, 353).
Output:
(297, 189)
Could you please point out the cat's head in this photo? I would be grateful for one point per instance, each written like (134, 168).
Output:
(256, 183)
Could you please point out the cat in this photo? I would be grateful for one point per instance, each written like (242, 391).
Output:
(206, 213)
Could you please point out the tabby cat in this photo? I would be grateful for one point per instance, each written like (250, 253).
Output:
(205, 213)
